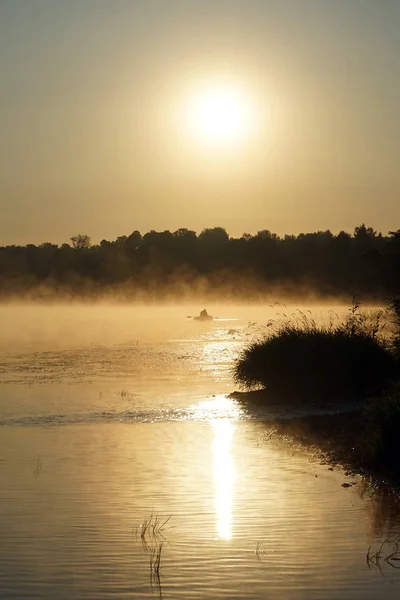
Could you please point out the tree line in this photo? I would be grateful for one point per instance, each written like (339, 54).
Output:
(174, 264)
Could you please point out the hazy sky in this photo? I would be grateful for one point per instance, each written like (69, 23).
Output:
(92, 105)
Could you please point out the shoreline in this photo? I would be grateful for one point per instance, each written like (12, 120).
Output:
(333, 431)
(335, 437)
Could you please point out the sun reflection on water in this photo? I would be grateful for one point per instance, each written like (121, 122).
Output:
(218, 407)
(224, 476)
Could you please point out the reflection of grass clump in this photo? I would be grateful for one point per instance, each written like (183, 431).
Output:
(299, 359)
(380, 442)
(155, 566)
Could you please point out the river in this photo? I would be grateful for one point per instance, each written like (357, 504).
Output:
(126, 471)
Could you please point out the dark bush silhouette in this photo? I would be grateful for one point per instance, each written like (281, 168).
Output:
(301, 361)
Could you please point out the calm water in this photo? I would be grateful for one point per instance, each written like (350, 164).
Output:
(110, 415)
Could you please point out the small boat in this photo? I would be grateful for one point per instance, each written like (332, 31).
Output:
(203, 318)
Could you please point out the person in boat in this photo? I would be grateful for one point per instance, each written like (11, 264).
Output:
(204, 313)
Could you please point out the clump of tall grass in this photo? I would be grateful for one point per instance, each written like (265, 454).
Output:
(153, 525)
(152, 529)
(394, 321)
(296, 358)
(152, 538)
(388, 551)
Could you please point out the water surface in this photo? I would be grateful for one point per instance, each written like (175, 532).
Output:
(110, 415)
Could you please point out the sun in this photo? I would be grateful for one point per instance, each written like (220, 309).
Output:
(219, 115)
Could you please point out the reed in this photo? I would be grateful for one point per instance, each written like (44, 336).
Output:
(153, 526)
(38, 468)
(388, 551)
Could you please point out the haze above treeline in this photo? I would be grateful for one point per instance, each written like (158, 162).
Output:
(182, 264)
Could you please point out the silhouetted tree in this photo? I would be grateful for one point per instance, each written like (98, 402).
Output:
(216, 236)
(80, 241)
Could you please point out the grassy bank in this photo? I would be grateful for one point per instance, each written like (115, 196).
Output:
(302, 363)
(298, 359)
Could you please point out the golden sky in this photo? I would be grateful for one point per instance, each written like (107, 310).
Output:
(99, 134)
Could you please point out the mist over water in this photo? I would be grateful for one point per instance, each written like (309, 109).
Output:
(111, 413)
(131, 358)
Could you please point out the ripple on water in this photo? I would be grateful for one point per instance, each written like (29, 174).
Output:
(249, 517)
(120, 422)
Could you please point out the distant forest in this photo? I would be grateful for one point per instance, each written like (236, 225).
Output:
(182, 264)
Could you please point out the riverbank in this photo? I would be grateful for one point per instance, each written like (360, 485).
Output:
(339, 438)
(341, 434)
(333, 384)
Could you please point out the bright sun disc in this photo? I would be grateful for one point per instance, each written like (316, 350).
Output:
(219, 116)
